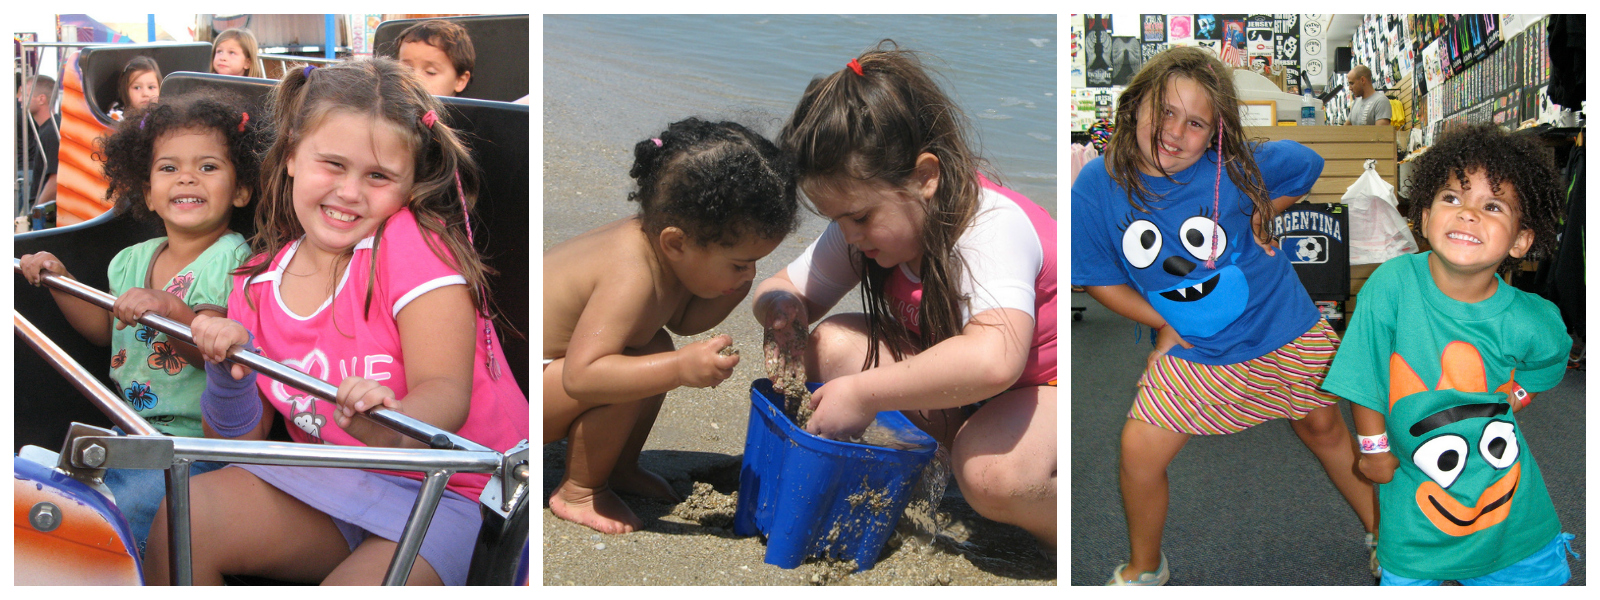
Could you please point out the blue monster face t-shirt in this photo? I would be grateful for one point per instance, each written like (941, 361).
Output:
(1249, 304)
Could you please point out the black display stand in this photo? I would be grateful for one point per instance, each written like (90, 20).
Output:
(1316, 238)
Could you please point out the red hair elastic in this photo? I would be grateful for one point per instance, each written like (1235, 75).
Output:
(244, 117)
(856, 66)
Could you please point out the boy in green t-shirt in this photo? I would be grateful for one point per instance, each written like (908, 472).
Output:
(1440, 355)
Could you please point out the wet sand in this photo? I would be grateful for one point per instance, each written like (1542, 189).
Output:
(589, 131)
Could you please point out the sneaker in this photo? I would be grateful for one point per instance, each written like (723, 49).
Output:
(1146, 578)
(1372, 562)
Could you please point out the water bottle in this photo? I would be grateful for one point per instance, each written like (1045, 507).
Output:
(1308, 111)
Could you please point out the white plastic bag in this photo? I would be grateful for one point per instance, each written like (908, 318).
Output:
(1377, 230)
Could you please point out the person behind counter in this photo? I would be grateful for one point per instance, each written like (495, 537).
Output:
(1370, 107)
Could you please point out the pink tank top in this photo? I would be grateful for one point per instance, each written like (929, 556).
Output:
(905, 295)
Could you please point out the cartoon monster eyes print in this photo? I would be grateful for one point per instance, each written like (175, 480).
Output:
(1196, 235)
(1499, 444)
(1442, 458)
(1141, 243)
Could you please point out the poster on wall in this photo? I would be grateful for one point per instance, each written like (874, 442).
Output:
(1258, 35)
(1097, 50)
(1286, 40)
(1207, 27)
(1153, 28)
(1430, 65)
(1126, 57)
(1314, 24)
(1076, 30)
(1150, 50)
(1232, 49)
(1180, 30)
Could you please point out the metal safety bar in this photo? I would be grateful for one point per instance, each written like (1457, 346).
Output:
(108, 402)
(150, 450)
(404, 424)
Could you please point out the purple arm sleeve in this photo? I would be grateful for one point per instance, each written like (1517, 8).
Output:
(231, 406)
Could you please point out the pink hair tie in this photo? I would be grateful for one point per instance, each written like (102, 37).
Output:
(429, 118)
(1216, 203)
(657, 141)
(244, 117)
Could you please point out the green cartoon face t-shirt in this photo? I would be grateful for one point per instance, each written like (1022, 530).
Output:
(1468, 498)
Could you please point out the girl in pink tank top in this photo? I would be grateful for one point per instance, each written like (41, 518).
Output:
(957, 275)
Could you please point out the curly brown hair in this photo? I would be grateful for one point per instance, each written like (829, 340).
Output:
(1504, 157)
(721, 183)
(128, 152)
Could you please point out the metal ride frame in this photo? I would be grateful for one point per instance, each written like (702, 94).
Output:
(30, 130)
(89, 451)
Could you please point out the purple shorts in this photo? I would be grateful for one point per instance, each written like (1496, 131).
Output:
(363, 503)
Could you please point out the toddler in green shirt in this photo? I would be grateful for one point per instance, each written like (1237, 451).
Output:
(1440, 355)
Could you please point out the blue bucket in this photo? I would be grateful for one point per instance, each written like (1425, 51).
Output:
(816, 497)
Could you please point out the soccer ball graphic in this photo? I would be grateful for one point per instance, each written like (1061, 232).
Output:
(1309, 249)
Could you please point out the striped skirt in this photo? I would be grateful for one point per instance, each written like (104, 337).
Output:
(1198, 399)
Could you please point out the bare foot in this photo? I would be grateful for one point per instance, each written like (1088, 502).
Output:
(600, 510)
(640, 482)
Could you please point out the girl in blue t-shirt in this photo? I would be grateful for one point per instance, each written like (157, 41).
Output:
(1163, 237)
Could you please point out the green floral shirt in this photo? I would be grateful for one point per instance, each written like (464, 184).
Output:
(152, 377)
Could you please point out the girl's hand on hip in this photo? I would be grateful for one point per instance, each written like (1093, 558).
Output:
(1378, 467)
(1165, 340)
(702, 363)
(135, 302)
(358, 395)
(840, 414)
(1263, 239)
(215, 337)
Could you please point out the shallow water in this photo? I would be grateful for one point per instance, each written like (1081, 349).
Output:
(629, 76)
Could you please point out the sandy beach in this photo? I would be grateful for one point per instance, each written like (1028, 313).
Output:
(590, 124)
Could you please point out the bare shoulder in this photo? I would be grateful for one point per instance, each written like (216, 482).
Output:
(604, 271)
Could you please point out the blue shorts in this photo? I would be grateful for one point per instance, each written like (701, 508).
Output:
(138, 494)
(1548, 566)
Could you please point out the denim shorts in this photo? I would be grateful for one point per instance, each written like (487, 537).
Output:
(139, 492)
(1548, 566)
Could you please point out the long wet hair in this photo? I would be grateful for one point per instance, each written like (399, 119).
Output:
(383, 89)
(1147, 91)
(129, 151)
(873, 127)
(720, 183)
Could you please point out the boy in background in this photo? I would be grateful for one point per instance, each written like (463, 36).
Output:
(441, 54)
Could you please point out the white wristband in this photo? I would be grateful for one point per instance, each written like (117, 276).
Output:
(1374, 444)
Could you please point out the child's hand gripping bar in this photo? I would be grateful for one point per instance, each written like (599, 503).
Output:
(405, 425)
